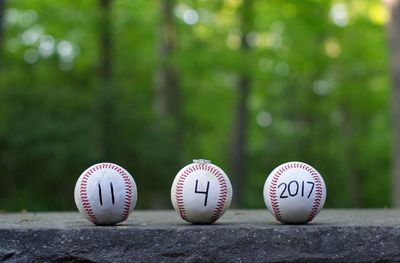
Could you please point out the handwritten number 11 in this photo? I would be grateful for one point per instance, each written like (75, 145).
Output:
(112, 194)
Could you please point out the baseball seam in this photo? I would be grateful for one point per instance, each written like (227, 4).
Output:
(318, 193)
(223, 194)
(272, 194)
(84, 198)
(274, 185)
(128, 190)
(179, 193)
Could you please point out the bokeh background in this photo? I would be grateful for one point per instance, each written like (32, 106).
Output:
(151, 85)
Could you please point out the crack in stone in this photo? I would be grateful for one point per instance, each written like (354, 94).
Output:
(72, 259)
(4, 255)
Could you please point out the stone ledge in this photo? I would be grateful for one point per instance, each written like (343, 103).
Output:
(239, 236)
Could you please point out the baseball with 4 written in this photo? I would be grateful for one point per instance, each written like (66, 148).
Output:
(201, 192)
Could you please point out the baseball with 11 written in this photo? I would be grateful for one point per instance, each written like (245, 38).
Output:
(105, 194)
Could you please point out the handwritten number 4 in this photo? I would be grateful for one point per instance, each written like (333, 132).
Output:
(202, 192)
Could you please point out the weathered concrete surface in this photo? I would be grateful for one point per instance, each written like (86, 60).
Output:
(239, 236)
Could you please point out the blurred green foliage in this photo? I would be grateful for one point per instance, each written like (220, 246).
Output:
(319, 94)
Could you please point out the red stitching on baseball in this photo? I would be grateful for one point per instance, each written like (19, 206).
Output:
(222, 197)
(318, 196)
(179, 193)
(128, 193)
(84, 199)
(272, 194)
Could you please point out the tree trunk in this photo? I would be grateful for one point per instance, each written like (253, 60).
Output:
(2, 11)
(168, 98)
(354, 180)
(105, 41)
(394, 42)
(105, 99)
(238, 154)
(168, 127)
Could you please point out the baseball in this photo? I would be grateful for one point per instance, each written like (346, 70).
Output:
(105, 194)
(294, 193)
(201, 192)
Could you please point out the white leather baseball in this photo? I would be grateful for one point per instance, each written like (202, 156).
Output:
(294, 192)
(105, 194)
(201, 192)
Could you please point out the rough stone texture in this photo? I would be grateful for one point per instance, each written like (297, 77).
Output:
(239, 236)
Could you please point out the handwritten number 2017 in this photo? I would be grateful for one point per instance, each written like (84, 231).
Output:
(293, 188)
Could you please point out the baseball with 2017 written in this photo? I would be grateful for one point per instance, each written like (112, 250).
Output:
(294, 192)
